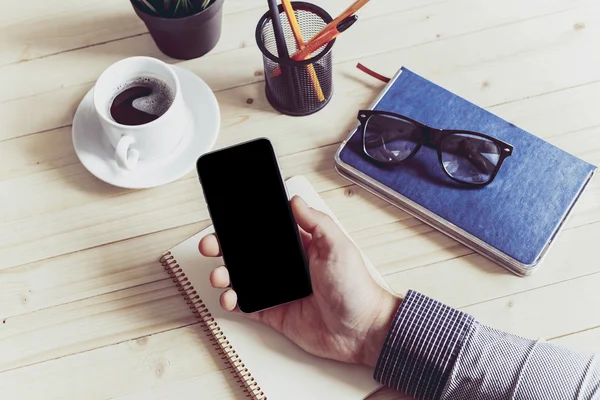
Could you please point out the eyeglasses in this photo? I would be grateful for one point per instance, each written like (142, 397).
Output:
(467, 157)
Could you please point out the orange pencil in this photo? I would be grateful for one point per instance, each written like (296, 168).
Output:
(326, 31)
(315, 43)
(289, 11)
(354, 7)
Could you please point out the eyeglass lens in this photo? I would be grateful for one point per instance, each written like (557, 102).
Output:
(469, 158)
(390, 139)
(466, 157)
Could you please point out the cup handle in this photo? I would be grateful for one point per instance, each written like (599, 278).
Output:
(126, 156)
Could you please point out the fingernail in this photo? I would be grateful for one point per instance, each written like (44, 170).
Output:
(301, 200)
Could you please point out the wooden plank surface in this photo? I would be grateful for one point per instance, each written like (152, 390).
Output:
(86, 311)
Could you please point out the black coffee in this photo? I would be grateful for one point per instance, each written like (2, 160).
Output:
(140, 101)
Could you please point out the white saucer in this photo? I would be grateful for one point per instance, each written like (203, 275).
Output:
(98, 156)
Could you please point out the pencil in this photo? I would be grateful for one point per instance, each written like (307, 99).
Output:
(314, 44)
(303, 54)
(289, 11)
(352, 9)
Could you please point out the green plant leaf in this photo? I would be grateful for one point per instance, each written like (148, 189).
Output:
(184, 3)
(174, 8)
(150, 6)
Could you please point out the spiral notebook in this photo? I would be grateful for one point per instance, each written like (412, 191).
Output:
(268, 365)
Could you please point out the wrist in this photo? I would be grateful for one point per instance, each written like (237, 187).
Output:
(379, 329)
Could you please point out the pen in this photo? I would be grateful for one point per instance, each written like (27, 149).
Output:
(289, 11)
(282, 47)
(278, 30)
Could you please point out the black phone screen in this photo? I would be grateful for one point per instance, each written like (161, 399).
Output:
(252, 217)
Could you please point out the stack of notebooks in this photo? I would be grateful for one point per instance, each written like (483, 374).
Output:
(512, 221)
(267, 364)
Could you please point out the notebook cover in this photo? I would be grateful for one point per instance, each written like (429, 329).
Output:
(279, 368)
(519, 212)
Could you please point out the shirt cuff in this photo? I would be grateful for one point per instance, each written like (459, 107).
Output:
(421, 347)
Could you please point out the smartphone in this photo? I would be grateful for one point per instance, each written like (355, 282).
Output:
(260, 240)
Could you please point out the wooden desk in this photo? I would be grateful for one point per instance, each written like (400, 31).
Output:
(85, 310)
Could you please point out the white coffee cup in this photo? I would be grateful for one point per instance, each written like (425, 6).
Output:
(149, 141)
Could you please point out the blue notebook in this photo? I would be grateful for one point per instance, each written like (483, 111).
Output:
(514, 219)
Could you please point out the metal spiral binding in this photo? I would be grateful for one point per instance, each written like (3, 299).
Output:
(243, 377)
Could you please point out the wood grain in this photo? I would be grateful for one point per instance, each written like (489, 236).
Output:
(85, 309)
(42, 29)
(158, 365)
(46, 80)
(82, 275)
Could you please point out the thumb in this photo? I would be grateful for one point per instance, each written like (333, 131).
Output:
(315, 222)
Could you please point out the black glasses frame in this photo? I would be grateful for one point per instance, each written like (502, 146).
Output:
(433, 137)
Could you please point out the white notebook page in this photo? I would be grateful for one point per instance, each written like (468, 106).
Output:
(281, 369)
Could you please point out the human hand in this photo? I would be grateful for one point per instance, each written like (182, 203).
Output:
(348, 315)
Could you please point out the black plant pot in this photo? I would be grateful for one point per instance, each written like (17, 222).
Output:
(188, 37)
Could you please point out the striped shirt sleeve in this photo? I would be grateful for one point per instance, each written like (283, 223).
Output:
(434, 352)
(422, 346)
(497, 365)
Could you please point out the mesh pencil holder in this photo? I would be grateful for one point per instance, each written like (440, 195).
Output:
(292, 87)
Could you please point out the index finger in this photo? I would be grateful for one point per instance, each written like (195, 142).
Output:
(209, 246)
